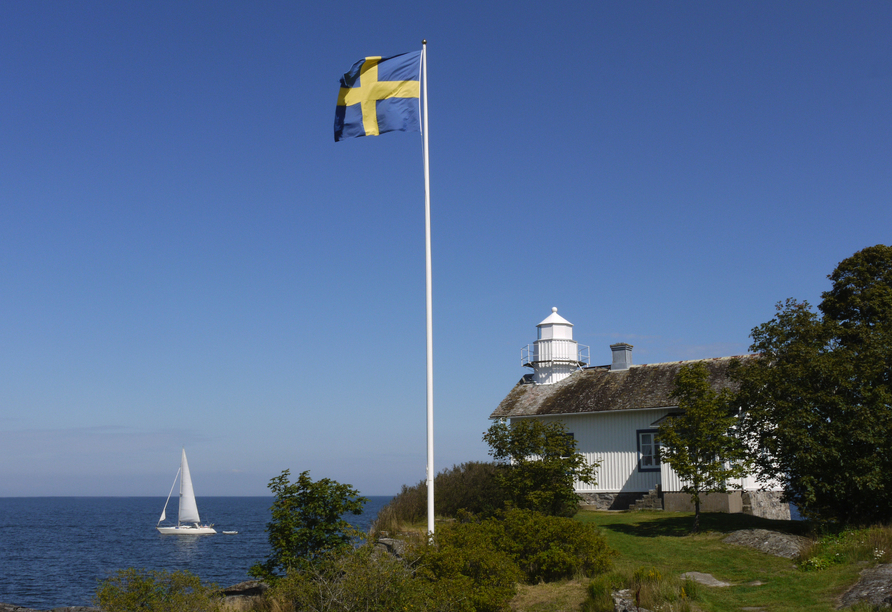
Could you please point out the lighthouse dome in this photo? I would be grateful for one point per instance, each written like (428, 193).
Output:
(555, 327)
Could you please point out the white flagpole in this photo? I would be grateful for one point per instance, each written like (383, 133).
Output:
(430, 318)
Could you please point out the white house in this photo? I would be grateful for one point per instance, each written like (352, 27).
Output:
(613, 412)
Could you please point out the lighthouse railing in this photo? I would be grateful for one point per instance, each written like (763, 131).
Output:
(558, 350)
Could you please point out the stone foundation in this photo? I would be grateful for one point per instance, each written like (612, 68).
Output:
(766, 504)
(709, 502)
(609, 501)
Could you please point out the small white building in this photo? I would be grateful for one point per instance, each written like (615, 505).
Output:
(613, 412)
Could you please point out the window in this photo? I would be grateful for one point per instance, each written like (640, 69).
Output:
(648, 457)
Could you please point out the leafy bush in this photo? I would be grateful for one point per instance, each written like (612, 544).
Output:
(307, 522)
(360, 579)
(136, 590)
(550, 547)
(469, 487)
(463, 558)
(873, 545)
(538, 465)
(539, 547)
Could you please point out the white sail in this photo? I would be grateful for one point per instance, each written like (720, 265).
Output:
(188, 508)
(164, 511)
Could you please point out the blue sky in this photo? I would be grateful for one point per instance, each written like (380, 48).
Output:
(187, 258)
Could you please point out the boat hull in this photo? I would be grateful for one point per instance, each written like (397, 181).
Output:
(187, 530)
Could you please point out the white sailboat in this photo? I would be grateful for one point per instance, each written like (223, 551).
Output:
(188, 522)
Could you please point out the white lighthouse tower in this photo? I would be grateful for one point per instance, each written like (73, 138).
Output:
(555, 355)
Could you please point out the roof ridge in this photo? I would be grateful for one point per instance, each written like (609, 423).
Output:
(694, 360)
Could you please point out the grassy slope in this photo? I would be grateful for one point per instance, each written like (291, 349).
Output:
(661, 539)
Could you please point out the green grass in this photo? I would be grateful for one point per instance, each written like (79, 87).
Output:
(662, 540)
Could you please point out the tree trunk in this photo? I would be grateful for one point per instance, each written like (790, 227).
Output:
(696, 527)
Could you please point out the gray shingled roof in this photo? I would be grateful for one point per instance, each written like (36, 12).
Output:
(599, 390)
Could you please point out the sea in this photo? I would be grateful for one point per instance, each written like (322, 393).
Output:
(54, 551)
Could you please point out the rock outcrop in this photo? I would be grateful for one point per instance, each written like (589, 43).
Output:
(769, 542)
(874, 588)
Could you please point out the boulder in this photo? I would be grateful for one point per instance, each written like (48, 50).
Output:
(874, 587)
(769, 542)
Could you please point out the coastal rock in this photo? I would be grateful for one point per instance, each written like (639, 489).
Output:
(248, 588)
(769, 542)
(391, 546)
(874, 588)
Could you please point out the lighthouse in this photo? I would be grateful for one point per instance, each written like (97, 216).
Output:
(555, 354)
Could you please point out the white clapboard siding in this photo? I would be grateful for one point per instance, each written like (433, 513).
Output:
(610, 438)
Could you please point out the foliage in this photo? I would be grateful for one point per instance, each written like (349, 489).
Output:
(699, 444)
(663, 540)
(648, 587)
(468, 487)
(538, 465)
(552, 548)
(408, 507)
(361, 579)
(469, 566)
(538, 546)
(463, 558)
(135, 590)
(866, 546)
(307, 522)
(818, 403)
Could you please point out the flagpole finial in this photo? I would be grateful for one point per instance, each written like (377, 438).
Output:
(424, 41)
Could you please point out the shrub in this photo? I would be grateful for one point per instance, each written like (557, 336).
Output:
(873, 545)
(471, 487)
(552, 548)
(468, 487)
(137, 590)
(539, 465)
(463, 559)
(536, 546)
(359, 579)
(307, 522)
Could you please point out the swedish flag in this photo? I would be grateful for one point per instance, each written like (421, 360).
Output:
(378, 95)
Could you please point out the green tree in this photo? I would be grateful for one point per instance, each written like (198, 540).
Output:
(135, 590)
(699, 444)
(307, 522)
(538, 465)
(819, 400)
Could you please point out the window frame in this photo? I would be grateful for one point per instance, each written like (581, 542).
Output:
(655, 452)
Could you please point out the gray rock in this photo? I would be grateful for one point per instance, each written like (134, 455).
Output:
(248, 588)
(391, 546)
(769, 542)
(705, 579)
(874, 588)
(624, 601)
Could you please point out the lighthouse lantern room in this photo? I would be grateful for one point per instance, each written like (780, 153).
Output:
(555, 354)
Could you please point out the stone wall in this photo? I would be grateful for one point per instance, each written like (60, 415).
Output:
(766, 504)
(709, 502)
(608, 501)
